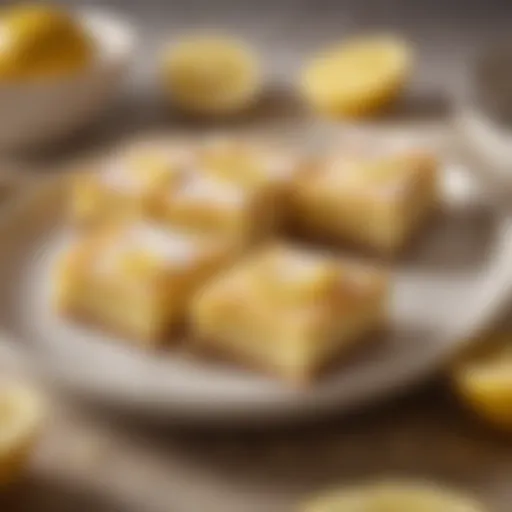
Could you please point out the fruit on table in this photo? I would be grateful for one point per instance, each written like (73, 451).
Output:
(393, 496)
(39, 41)
(483, 379)
(357, 78)
(210, 75)
(21, 418)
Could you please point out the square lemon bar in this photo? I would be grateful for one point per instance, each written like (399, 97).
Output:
(289, 311)
(256, 165)
(205, 204)
(376, 202)
(127, 182)
(135, 279)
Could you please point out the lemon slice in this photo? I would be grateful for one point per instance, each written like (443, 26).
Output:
(357, 78)
(484, 379)
(21, 415)
(393, 497)
(208, 75)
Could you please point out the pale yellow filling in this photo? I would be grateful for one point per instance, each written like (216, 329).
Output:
(384, 222)
(145, 319)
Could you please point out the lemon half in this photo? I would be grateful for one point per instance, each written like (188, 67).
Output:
(394, 496)
(211, 75)
(357, 78)
(484, 379)
(38, 40)
(21, 418)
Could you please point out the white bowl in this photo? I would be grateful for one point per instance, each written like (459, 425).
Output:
(42, 111)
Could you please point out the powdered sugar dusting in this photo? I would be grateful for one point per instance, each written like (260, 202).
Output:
(369, 174)
(179, 152)
(145, 238)
(199, 186)
(117, 177)
(219, 142)
(270, 162)
(297, 266)
(121, 173)
(279, 165)
(171, 247)
(344, 170)
(107, 263)
(182, 156)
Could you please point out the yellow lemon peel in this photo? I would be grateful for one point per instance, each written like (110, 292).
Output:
(211, 75)
(357, 78)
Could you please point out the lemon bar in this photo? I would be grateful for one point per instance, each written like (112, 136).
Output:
(376, 202)
(289, 311)
(202, 203)
(128, 182)
(135, 279)
(256, 165)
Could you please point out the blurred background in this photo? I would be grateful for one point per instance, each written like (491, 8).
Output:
(96, 462)
(445, 35)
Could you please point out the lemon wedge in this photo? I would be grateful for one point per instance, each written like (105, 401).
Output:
(21, 417)
(483, 379)
(38, 40)
(357, 78)
(393, 497)
(211, 75)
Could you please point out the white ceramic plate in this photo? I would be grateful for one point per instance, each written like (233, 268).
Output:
(451, 286)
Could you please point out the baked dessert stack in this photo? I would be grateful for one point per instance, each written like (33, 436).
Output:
(154, 223)
(193, 236)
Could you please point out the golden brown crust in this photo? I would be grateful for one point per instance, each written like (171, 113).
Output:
(214, 352)
(300, 233)
(86, 319)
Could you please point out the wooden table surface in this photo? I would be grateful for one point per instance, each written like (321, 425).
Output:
(89, 461)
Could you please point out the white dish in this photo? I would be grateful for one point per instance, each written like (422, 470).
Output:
(452, 285)
(42, 111)
(483, 116)
(489, 150)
